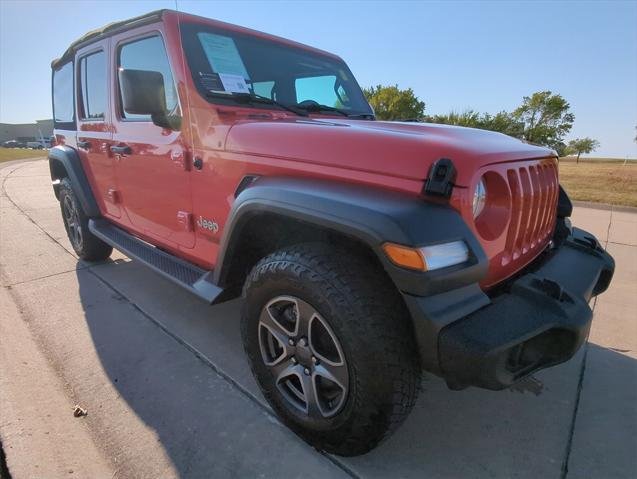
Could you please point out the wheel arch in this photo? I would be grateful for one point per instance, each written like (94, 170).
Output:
(64, 162)
(274, 212)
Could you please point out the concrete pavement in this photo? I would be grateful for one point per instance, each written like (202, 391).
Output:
(169, 392)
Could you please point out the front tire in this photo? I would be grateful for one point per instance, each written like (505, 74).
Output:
(87, 246)
(329, 342)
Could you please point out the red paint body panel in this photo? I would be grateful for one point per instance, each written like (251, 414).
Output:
(158, 190)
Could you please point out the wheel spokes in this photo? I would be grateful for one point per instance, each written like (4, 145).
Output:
(310, 396)
(304, 356)
(334, 373)
(285, 369)
(323, 342)
(277, 331)
(72, 222)
(305, 314)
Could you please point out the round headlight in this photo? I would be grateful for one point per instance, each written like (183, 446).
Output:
(479, 198)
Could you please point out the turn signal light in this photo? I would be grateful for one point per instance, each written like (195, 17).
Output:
(405, 256)
(427, 258)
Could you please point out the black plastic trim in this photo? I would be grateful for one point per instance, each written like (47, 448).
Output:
(564, 204)
(541, 321)
(371, 215)
(179, 271)
(68, 158)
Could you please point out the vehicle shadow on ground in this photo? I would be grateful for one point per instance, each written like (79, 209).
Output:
(449, 434)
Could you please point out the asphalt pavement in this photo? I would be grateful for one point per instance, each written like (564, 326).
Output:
(168, 391)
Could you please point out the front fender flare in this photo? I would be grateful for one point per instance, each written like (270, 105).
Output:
(371, 215)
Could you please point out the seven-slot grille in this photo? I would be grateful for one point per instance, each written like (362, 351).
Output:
(534, 191)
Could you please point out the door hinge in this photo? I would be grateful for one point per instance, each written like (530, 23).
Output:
(184, 219)
(181, 159)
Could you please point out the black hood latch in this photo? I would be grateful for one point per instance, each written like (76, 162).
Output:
(441, 178)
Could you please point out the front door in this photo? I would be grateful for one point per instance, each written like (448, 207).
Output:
(150, 160)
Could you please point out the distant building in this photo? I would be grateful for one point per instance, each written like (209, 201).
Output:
(26, 131)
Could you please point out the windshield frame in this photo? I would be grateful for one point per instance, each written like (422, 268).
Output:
(189, 38)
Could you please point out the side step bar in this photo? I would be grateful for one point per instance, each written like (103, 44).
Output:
(196, 280)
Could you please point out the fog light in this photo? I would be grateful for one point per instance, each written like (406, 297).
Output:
(427, 258)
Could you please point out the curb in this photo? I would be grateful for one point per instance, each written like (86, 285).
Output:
(605, 206)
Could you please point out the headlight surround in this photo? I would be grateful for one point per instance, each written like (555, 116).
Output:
(445, 254)
(479, 198)
(491, 205)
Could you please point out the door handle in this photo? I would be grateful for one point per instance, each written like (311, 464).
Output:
(121, 150)
(84, 144)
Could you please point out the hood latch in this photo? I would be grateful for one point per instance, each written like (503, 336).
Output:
(441, 178)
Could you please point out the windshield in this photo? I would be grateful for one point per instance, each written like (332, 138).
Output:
(225, 63)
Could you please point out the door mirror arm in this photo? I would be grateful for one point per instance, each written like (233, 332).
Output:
(170, 122)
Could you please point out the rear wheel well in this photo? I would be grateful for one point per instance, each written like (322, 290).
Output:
(58, 172)
(265, 233)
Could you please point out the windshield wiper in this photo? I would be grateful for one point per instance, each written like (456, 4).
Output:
(254, 98)
(317, 107)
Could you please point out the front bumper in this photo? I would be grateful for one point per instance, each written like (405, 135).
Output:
(541, 319)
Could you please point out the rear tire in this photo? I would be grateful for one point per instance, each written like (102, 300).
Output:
(357, 316)
(87, 246)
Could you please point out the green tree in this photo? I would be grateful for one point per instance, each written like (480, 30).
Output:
(502, 122)
(582, 145)
(468, 118)
(392, 103)
(546, 118)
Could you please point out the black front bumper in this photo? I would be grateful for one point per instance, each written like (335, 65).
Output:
(539, 320)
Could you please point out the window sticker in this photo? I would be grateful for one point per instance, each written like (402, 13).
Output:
(234, 83)
(211, 81)
(222, 54)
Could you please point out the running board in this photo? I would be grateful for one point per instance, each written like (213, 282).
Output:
(196, 280)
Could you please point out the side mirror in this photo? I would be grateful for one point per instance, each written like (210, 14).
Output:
(143, 94)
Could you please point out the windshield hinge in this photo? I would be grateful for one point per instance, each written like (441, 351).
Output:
(441, 178)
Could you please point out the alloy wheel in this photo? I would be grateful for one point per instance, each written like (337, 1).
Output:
(72, 220)
(304, 356)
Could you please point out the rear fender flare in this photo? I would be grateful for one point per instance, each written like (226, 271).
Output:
(66, 159)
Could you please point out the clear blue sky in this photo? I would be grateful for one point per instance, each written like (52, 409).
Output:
(480, 55)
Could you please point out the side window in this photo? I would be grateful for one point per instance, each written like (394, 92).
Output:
(92, 83)
(320, 89)
(63, 104)
(148, 54)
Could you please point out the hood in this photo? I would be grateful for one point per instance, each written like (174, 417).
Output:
(404, 150)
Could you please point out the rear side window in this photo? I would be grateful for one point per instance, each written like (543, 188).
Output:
(148, 54)
(63, 104)
(92, 84)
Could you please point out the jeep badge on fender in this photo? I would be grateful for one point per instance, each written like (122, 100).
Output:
(366, 251)
(208, 224)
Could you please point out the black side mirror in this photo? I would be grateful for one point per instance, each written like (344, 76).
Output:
(143, 94)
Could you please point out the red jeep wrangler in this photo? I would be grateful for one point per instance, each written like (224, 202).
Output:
(238, 163)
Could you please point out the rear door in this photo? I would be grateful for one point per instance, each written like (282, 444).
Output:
(151, 163)
(94, 124)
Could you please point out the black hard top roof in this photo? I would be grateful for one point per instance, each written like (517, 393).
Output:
(150, 17)
(106, 31)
